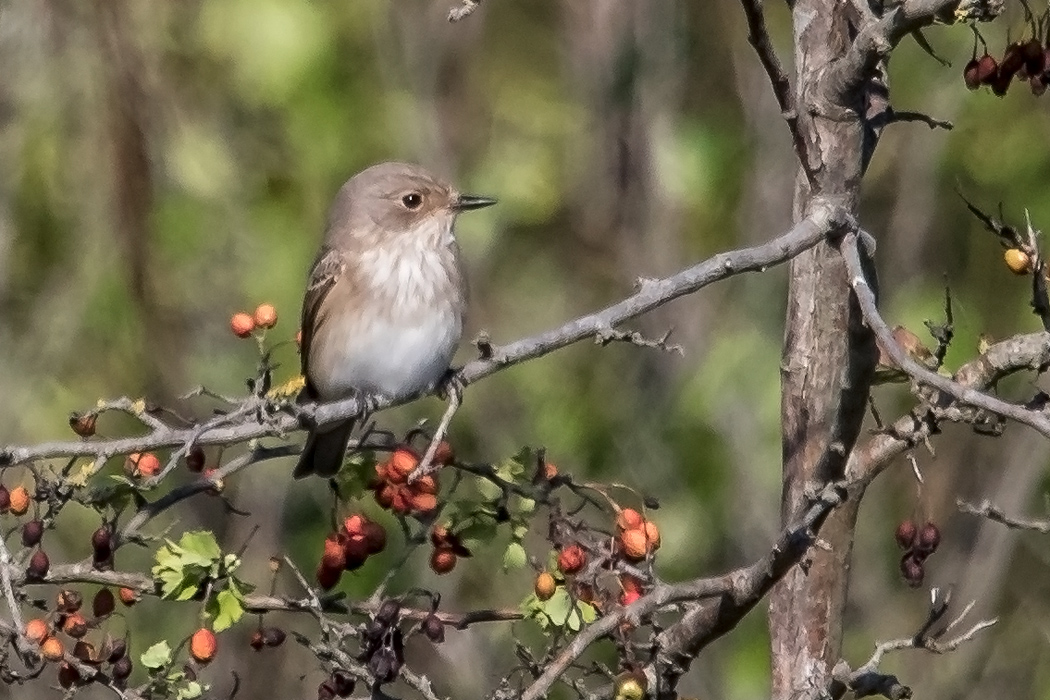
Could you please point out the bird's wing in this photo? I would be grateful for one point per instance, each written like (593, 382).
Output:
(327, 270)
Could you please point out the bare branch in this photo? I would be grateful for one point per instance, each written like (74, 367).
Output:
(652, 294)
(987, 510)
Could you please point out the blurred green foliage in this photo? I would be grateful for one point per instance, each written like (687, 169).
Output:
(623, 140)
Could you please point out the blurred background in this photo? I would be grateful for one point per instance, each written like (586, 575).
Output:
(167, 164)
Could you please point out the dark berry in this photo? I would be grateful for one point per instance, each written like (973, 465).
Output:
(434, 628)
(32, 533)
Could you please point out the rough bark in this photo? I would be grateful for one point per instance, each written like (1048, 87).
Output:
(827, 360)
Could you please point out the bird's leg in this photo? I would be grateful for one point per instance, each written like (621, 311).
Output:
(451, 388)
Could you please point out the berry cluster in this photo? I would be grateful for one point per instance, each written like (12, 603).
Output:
(918, 544)
(347, 549)
(383, 642)
(68, 622)
(638, 537)
(1027, 61)
(394, 492)
(243, 324)
(447, 548)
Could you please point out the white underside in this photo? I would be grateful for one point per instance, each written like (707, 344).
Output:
(390, 359)
(402, 352)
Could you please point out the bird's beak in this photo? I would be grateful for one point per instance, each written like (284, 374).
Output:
(466, 202)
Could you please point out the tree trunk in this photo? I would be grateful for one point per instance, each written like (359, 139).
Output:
(827, 361)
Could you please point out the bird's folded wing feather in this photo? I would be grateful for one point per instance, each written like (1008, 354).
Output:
(327, 270)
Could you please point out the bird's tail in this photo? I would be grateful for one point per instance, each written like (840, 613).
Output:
(324, 451)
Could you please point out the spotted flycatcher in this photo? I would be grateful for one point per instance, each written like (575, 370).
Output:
(384, 306)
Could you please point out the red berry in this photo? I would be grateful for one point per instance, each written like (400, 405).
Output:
(265, 316)
(38, 565)
(19, 500)
(929, 538)
(571, 559)
(905, 534)
(634, 544)
(629, 519)
(242, 324)
(36, 630)
(442, 560)
(128, 596)
(203, 645)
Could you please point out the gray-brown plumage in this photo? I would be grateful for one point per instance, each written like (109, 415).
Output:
(384, 306)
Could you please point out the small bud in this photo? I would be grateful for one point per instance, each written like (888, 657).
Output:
(342, 683)
(122, 668)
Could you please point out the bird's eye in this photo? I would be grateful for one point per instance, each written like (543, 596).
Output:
(412, 200)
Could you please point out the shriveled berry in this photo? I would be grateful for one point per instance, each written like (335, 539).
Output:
(242, 324)
(442, 560)
(85, 651)
(38, 566)
(5, 499)
(912, 570)
(52, 649)
(122, 668)
(36, 630)
(257, 642)
(68, 676)
(117, 651)
(905, 534)
(375, 537)
(103, 603)
(425, 484)
(195, 459)
(148, 464)
(83, 424)
(342, 682)
(544, 586)
(68, 601)
(128, 596)
(388, 612)
(929, 538)
(334, 556)
(325, 691)
(273, 636)
(32, 533)
(265, 316)
(571, 559)
(203, 645)
(19, 500)
(328, 578)
(75, 625)
(434, 628)
(384, 665)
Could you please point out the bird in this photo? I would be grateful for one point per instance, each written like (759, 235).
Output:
(384, 306)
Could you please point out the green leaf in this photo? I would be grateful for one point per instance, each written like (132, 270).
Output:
(587, 611)
(514, 557)
(202, 545)
(488, 490)
(526, 506)
(157, 656)
(518, 532)
(226, 609)
(479, 532)
(557, 608)
(192, 690)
